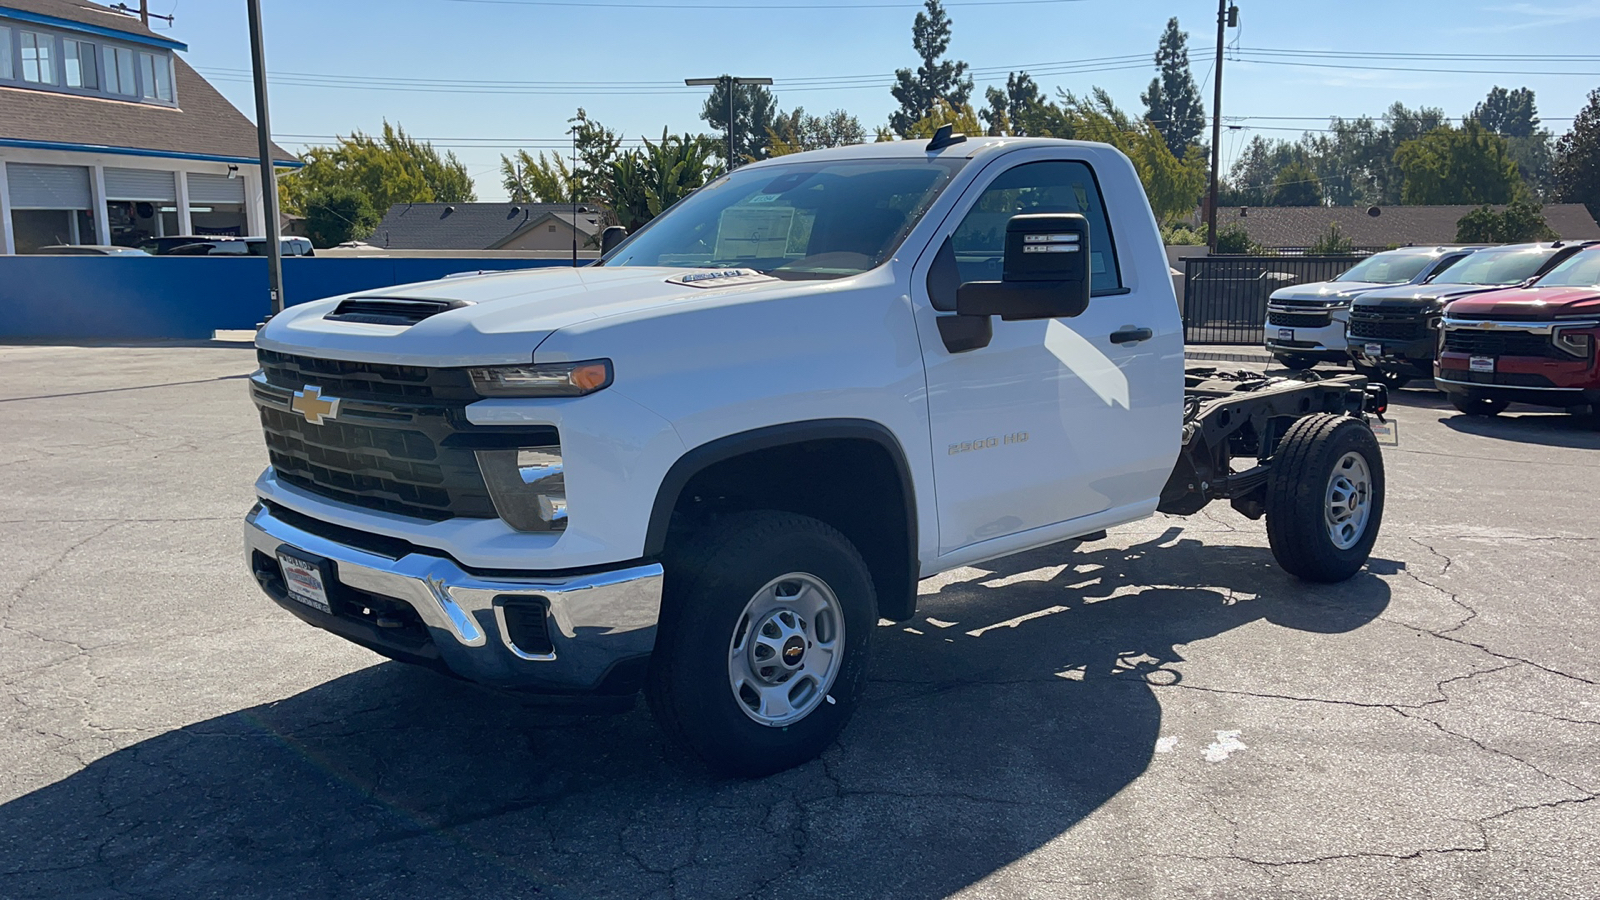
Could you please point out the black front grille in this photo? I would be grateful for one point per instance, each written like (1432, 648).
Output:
(402, 470)
(1409, 327)
(366, 381)
(1297, 319)
(1498, 343)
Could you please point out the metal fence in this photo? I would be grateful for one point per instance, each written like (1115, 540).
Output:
(1225, 297)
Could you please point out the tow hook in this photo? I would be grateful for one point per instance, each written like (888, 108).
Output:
(1377, 400)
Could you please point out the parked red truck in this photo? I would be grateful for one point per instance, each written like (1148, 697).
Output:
(1532, 344)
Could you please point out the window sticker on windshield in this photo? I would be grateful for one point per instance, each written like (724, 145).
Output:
(762, 198)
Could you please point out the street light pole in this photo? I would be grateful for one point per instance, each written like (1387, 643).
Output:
(731, 83)
(269, 179)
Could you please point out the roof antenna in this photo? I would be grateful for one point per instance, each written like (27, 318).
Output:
(945, 137)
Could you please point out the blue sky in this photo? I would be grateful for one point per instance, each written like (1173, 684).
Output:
(644, 48)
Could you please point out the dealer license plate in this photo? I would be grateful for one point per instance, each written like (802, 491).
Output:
(1374, 350)
(1481, 364)
(1285, 334)
(304, 579)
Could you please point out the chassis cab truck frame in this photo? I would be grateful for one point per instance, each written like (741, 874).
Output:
(707, 465)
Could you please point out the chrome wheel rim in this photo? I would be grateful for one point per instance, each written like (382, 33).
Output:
(1349, 500)
(786, 649)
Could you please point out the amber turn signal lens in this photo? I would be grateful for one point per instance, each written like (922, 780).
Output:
(591, 376)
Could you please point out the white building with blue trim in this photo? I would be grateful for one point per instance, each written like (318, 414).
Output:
(107, 136)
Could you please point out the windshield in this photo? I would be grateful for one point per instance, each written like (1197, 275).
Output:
(1388, 268)
(805, 220)
(1495, 267)
(1582, 270)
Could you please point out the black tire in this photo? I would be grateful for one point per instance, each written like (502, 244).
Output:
(1296, 361)
(1479, 406)
(710, 579)
(1297, 497)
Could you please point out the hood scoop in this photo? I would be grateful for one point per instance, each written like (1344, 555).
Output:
(390, 310)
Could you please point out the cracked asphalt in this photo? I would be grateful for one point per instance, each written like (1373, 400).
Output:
(1161, 713)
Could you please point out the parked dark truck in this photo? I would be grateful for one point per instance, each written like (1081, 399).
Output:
(1531, 344)
(1394, 332)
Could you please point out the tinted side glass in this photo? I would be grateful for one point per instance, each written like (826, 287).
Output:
(1041, 187)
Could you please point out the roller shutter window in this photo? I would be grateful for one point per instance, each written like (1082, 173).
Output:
(48, 187)
(141, 184)
(204, 189)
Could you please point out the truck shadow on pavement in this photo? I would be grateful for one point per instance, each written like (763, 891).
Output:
(1017, 703)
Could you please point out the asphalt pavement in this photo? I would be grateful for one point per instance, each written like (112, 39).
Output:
(1162, 713)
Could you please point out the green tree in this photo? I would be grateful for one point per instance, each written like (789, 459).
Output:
(1355, 159)
(390, 168)
(336, 213)
(545, 179)
(639, 184)
(550, 179)
(1576, 167)
(1296, 185)
(1508, 113)
(1010, 111)
(1233, 239)
(1515, 116)
(936, 79)
(1450, 165)
(1172, 102)
(1331, 243)
(1256, 169)
(962, 119)
(1172, 185)
(1521, 220)
(754, 113)
(798, 131)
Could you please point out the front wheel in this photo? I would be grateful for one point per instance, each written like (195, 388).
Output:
(762, 652)
(1325, 497)
(1479, 406)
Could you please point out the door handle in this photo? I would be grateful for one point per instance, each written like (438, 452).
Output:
(1128, 334)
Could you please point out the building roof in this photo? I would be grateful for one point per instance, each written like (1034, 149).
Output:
(472, 226)
(206, 126)
(94, 17)
(1299, 226)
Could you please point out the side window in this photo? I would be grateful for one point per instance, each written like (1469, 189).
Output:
(1041, 187)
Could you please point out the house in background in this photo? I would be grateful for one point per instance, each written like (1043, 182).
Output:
(1297, 227)
(108, 137)
(488, 226)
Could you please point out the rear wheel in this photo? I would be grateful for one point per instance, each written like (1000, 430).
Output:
(1479, 406)
(1296, 361)
(762, 650)
(1324, 498)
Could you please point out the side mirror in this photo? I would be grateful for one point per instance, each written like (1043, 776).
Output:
(1045, 274)
(611, 237)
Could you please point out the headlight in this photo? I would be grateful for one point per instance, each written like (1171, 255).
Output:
(1570, 340)
(572, 379)
(528, 486)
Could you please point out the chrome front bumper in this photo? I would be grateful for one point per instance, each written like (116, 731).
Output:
(596, 623)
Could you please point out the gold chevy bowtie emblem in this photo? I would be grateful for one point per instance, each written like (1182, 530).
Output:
(315, 407)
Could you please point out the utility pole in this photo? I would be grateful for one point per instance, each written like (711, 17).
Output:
(572, 191)
(269, 178)
(731, 82)
(1226, 15)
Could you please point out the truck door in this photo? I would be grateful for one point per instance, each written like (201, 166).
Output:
(1060, 419)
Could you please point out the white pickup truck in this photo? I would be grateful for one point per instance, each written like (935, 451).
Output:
(707, 465)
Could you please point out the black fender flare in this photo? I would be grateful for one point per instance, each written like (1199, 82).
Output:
(725, 448)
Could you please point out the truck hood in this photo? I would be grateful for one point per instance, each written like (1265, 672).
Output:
(1420, 296)
(1327, 291)
(503, 316)
(1530, 304)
